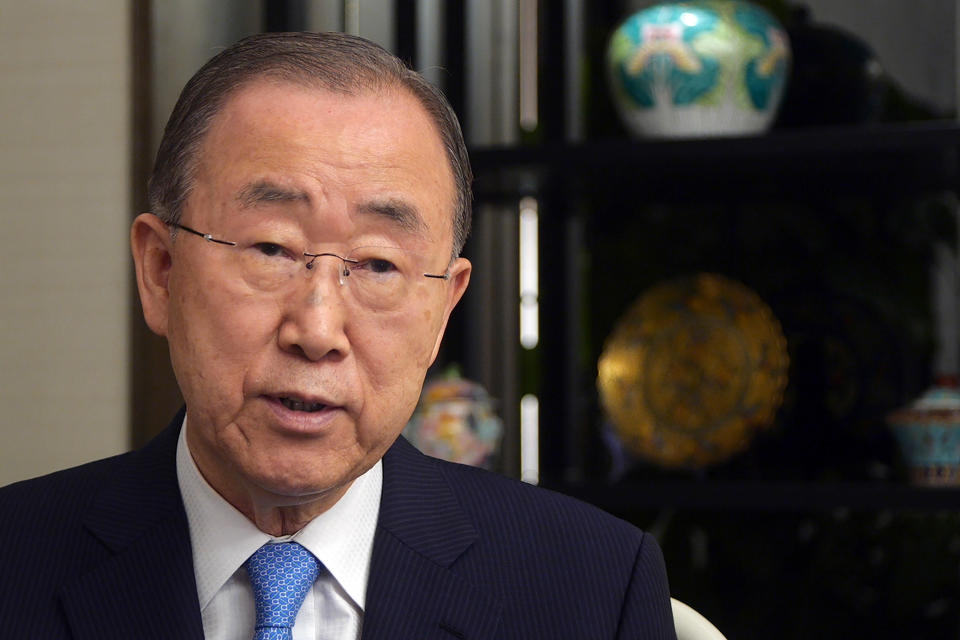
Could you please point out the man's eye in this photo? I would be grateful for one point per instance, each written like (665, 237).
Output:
(269, 249)
(374, 266)
(380, 266)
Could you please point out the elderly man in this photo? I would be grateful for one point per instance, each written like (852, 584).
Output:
(310, 199)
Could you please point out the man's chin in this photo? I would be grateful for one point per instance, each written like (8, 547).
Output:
(293, 487)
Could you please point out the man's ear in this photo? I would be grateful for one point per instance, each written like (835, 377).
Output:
(150, 244)
(457, 285)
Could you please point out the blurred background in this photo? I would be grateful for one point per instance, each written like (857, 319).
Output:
(787, 502)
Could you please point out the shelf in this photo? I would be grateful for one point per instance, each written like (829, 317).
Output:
(848, 178)
(757, 496)
(887, 159)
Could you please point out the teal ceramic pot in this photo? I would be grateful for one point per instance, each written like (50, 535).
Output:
(928, 432)
(699, 68)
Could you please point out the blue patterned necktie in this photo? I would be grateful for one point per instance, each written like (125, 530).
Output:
(281, 575)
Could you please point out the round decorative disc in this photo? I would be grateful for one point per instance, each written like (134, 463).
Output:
(692, 370)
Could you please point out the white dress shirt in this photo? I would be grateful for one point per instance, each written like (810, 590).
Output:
(341, 538)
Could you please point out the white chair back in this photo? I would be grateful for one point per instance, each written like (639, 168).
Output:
(691, 625)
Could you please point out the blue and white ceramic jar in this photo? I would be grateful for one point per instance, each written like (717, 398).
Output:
(928, 432)
(698, 68)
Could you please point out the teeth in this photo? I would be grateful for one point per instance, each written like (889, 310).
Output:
(296, 405)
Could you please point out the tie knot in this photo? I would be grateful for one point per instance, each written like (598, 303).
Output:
(281, 574)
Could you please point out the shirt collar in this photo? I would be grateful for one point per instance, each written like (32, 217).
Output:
(341, 538)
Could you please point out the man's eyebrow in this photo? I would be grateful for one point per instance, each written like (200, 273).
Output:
(403, 214)
(266, 192)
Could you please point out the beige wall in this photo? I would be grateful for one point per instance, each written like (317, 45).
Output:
(64, 200)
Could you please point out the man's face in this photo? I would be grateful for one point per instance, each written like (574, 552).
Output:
(293, 393)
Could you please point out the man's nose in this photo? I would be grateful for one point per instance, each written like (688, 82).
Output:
(315, 314)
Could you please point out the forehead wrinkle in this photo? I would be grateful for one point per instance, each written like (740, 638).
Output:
(265, 192)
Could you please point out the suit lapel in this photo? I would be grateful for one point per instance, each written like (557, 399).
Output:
(422, 530)
(147, 587)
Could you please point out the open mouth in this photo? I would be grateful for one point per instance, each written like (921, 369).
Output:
(298, 405)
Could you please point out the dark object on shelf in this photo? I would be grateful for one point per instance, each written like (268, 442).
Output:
(836, 77)
(829, 575)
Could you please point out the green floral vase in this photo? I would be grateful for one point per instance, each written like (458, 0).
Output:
(700, 68)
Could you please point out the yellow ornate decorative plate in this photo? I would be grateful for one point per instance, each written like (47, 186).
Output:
(694, 368)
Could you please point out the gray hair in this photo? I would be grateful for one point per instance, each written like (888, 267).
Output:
(333, 61)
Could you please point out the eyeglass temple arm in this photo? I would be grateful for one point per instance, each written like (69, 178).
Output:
(205, 236)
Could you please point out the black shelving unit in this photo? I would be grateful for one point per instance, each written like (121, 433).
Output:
(597, 186)
(865, 201)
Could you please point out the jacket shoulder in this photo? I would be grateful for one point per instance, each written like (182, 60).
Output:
(55, 498)
(44, 543)
(599, 576)
(490, 495)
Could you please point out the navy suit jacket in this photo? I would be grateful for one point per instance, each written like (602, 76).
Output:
(103, 551)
